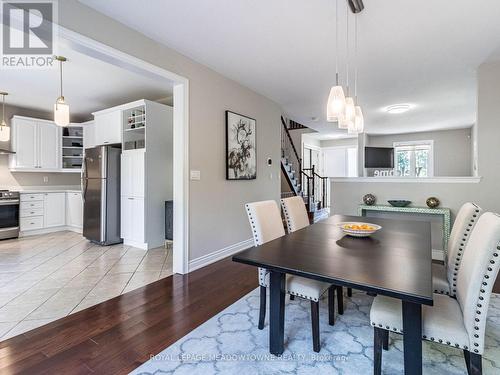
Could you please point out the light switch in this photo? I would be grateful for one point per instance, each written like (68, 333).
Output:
(195, 175)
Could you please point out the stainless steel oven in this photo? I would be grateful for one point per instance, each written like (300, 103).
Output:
(9, 214)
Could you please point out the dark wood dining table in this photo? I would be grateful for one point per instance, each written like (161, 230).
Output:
(396, 261)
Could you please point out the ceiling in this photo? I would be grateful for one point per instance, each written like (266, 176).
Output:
(89, 85)
(410, 51)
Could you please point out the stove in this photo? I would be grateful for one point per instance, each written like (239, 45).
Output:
(9, 214)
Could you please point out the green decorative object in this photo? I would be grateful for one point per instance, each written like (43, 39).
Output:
(369, 199)
(443, 212)
(399, 203)
(432, 202)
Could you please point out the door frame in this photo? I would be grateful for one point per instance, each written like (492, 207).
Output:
(180, 86)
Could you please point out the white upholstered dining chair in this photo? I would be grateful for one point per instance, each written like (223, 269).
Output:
(444, 277)
(266, 224)
(459, 322)
(296, 218)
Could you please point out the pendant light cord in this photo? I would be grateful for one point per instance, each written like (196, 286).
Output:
(347, 47)
(61, 76)
(356, 58)
(3, 110)
(337, 42)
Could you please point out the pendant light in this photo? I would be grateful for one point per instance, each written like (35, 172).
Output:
(359, 122)
(347, 121)
(61, 108)
(4, 129)
(335, 106)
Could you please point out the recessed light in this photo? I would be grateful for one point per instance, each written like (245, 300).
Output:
(398, 108)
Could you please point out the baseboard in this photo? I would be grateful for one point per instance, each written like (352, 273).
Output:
(139, 245)
(49, 230)
(205, 260)
(437, 254)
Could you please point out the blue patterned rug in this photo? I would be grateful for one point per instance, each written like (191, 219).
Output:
(230, 343)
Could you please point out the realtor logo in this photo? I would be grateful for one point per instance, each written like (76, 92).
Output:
(28, 33)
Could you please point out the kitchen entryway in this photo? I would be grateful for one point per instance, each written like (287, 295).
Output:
(46, 277)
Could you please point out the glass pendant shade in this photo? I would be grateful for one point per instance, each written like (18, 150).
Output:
(4, 132)
(336, 104)
(61, 112)
(359, 121)
(349, 114)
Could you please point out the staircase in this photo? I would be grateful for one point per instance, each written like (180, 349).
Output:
(303, 182)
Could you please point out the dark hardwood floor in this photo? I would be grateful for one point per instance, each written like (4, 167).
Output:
(118, 335)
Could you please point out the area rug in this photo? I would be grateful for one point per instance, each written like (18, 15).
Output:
(231, 343)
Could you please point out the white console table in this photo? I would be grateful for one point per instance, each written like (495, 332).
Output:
(443, 212)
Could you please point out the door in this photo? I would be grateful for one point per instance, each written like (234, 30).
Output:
(25, 144)
(54, 207)
(108, 128)
(49, 146)
(74, 210)
(92, 209)
(132, 173)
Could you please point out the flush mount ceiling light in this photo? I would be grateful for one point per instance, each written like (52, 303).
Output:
(61, 108)
(398, 108)
(4, 129)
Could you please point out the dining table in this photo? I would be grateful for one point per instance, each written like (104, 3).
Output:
(395, 261)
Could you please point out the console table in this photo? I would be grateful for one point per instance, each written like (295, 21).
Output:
(443, 212)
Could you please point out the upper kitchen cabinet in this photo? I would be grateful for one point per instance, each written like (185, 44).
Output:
(108, 127)
(37, 144)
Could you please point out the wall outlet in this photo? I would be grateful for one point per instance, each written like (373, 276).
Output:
(45, 179)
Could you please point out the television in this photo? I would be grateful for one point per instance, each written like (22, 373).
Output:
(379, 157)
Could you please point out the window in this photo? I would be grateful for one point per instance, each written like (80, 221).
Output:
(414, 159)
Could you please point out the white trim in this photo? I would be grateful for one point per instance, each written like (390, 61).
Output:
(413, 180)
(214, 256)
(180, 85)
(139, 245)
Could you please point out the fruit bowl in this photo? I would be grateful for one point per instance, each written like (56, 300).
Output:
(358, 229)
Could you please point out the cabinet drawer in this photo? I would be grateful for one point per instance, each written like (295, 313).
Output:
(31, 197)
(30, 205)
(31, 212)
(31, 223)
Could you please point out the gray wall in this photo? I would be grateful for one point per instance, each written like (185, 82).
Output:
(346, 196)
(8, 179)
(217, 217)
(342, 142)
(452, 149)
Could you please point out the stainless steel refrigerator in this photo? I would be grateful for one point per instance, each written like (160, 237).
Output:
(101, 194)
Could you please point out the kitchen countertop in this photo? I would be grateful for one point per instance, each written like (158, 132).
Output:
(45, 189)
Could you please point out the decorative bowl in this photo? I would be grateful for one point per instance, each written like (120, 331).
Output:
(369, 199)
(432, 202)
(399, 203)
(358, 229)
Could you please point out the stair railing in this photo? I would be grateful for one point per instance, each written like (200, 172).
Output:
(288, 151)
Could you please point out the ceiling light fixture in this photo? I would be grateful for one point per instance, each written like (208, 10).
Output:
(335, 106)
(347, 121)
(359, 121)
(4, 129)
(61, 108)
(398, 108)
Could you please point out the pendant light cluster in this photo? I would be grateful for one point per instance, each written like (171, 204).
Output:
(341, 109)
(4, 129)
(61, 108)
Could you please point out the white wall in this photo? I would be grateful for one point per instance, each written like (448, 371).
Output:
(452, 148)
(217, 217)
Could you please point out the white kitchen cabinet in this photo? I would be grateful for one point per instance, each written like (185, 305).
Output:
(108, 127)
(49, 146)
(37, 144)
(132, 220)
(54, 209)
(74, 209)
(132, 173)
(88, 134)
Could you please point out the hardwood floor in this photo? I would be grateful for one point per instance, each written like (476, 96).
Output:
(117, 336)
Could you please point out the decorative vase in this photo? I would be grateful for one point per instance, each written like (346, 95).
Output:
(369, 199)
(432, 202)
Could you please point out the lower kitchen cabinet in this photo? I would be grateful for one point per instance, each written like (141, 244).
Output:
(132, 220)
(74, 209)
(54, 209)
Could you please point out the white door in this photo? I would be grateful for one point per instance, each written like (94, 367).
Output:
(132, 173)
(108, 128)
(49, 146)
(25, 143)
(335, 162)
(54, 209)
(74, 210)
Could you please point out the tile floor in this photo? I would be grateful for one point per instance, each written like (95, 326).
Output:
(44, 278)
